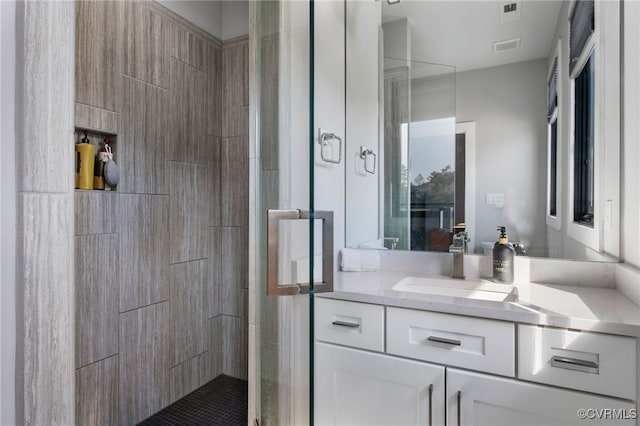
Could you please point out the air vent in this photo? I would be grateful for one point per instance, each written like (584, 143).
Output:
(510, 11)
(500, 46)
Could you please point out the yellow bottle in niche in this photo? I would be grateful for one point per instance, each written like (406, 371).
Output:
(87, 158)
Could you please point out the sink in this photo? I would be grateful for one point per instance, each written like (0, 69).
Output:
(478, 290)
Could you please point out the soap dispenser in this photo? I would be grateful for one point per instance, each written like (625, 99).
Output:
(503, 258)
(86, 153)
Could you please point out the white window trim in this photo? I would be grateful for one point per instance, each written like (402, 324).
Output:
(604, 44)
(468, 128)
(555, 222)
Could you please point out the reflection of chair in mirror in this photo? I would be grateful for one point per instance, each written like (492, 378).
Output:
(439, 239)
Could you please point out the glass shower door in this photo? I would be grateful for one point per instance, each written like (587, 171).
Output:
(291, 238)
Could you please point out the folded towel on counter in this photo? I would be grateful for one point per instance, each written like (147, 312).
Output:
(358, 260)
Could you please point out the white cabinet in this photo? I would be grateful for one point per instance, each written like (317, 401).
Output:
(591, 362)
(355, 387)
(474, 343)
(480, 399)
(360, 325)
(380, 386)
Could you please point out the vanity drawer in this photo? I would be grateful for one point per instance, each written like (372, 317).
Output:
(592, 362)
(349, 323)
(473, 343)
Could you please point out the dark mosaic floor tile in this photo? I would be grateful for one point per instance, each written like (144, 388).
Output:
(221, 402)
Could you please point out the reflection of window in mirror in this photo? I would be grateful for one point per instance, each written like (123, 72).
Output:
(433, 183)
(583, 160)
(583, 44)
(553, 146)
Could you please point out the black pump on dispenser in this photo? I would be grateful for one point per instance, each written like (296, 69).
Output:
(503, 258)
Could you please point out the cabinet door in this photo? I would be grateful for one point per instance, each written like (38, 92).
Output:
(478, 399)
(355, 387)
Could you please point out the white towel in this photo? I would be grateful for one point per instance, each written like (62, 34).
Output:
(358, 260)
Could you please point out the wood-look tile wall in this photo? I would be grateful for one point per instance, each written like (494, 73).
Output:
(161, 263)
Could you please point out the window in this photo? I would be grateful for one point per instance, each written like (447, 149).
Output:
(583, 155)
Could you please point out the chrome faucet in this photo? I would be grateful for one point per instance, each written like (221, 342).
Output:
(458, 248)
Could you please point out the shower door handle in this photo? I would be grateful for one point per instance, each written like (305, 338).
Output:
(274, 217)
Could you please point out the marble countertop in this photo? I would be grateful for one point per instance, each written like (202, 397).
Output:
(603, 310)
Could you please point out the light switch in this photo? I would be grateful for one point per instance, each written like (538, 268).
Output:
(496, 200)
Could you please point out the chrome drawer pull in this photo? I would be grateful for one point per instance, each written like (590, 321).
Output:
(430, 405)
(459, 407)
(444, 340)
(574, 364)
(346, 324)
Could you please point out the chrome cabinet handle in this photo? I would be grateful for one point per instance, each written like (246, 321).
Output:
(444, 340)
(430, 405)
(273, 226)
(346, 324)
(459, 396)
(574, 364)
(323, 140)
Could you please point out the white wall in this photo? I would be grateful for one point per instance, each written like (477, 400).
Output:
(508, 104)
(630, 229)
(224, 19)
(235, 18)
(7, 214)
(205, 14)
(330, 112)
(362, 100)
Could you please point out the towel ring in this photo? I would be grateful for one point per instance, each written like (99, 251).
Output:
(324, 139)
(364, 153)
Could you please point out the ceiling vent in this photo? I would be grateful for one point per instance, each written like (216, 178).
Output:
(500, 46)
(510, 11)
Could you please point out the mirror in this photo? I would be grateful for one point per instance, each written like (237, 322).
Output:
(463, 132)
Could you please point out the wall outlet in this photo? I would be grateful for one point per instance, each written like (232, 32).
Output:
(495, 200)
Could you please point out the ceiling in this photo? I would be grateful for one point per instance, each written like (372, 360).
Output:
(462, 33)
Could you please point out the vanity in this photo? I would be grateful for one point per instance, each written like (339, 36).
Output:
(398, 348)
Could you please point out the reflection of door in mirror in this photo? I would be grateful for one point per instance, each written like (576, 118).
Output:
(433, 177)
(419, 156)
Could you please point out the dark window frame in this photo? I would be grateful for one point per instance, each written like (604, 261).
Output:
(584, 145)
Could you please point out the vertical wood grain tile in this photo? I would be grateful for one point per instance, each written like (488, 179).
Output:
(187, 110)
(235, 88)
(96, 298)
(215, 176)
(142, 145)
(269, 124)
(214, 278)
(214, 90)
(95, 212)
(143, 253)
(231, 270)
(97, 393)
(98, 53)
(188, 281)
(92, 118)
(188, 47)
(234, 169)
(190, 206)
(147, 44)
(144, 362)
(44, 101)
(186, 377)
(234, 349)
(45, 247)
(213, 355)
